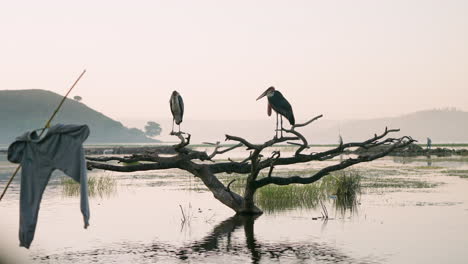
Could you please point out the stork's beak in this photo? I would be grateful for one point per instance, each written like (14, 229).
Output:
(262, 95)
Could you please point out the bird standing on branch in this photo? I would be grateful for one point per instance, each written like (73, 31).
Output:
(177, 109)
(281, 106)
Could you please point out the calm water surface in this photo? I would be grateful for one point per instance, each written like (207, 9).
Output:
(140, 222)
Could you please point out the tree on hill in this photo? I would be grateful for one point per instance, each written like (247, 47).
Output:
(256, 160)
(77, 98)
(26, 110)
(152, 129)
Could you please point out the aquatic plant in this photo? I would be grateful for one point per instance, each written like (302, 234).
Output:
(347, 189)
(187, 216)
(397, 183)
(97, 186)
(459, 173)
(344, 188)
(278, 198)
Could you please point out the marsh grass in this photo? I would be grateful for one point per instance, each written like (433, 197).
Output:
(458, 173)
(428, 168)
(397, 183)
(97, 186)
(343, 188)
(279, 198)
(347, 188)
(433, 159)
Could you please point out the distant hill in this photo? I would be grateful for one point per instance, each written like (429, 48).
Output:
(24, 110)
(442, 126)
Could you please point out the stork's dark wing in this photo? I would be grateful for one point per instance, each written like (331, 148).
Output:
(282, 106)
(172, 106)
(181, 105)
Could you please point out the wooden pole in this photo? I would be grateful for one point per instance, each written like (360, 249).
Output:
(47, 125)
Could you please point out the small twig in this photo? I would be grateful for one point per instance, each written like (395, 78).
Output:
(183, 215)
(271, 170)
(294, 143)
(212, 144)
(325, 211)
(247, 159)
(216, 151)
(274, 157)
(243, 141)
(306, 123)
(228, 188)
(304, 144)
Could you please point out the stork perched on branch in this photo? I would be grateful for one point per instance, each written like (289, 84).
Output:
(281, 106)
(177, 109)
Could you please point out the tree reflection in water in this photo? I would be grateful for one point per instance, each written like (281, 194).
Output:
(222, 244)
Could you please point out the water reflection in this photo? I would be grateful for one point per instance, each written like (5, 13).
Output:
(225, 243)
(220, 240)
(429, 160)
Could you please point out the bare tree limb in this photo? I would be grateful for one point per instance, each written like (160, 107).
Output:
(304, 144)
(216, 151)
(243, 141)
(256, 147)
(228, 187)
(111, 158)
(274, 157)
(183, 141)
(306, 123)
(130, 168)
(403, 142)
(302, 158)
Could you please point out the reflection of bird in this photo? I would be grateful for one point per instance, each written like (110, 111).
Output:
(177, 109)
(281, 106)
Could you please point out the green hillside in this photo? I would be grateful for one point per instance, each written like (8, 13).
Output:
(24, 110)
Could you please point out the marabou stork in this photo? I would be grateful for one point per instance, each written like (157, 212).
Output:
(281, 106)
(177, 109)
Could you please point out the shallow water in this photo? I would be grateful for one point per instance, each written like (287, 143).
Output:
(141, 222)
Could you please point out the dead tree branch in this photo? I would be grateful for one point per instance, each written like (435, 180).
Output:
(403, 142)
(304, 144)
(216, 150)
(308, 122)
(183, 141)
(192, 161)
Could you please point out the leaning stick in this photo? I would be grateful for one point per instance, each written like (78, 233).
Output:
(47, 125)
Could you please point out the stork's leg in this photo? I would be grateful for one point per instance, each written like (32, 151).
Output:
(179, 128)
(276, 128)
(281, 126)
(172, 126)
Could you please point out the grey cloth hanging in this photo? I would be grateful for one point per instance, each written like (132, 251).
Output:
(61, 148)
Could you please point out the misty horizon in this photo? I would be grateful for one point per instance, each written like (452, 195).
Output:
(359, 59)
(442, 125)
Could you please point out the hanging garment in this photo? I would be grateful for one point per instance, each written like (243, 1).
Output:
(61, 148)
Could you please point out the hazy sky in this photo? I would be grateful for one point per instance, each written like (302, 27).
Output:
(344, 59)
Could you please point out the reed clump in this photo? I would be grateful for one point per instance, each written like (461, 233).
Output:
(342, 188)
(97, 186)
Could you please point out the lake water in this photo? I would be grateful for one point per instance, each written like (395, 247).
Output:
(139, 221)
